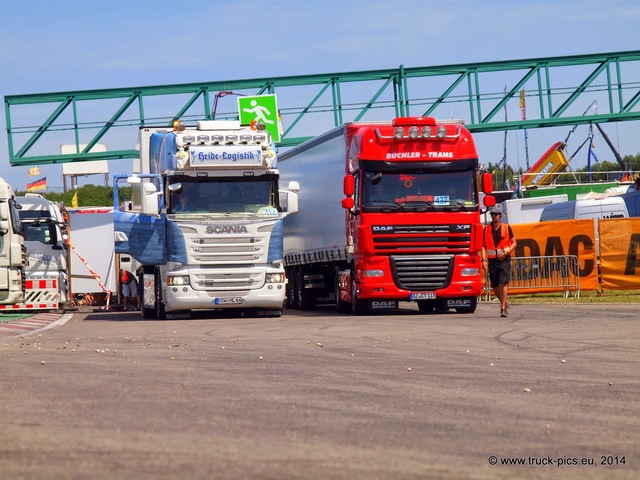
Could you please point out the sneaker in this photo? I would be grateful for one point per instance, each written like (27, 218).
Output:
(503, 312)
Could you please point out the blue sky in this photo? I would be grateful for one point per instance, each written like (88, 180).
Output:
(81, 45)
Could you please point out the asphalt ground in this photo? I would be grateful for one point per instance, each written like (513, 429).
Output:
(552, 388)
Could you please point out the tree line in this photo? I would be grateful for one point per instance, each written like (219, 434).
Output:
(87, 196)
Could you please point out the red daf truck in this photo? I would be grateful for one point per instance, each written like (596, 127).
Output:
(391, 212)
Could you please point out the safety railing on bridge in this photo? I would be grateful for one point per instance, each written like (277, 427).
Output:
(540, 274)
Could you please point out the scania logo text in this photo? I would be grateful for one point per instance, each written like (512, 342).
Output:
(222, 229)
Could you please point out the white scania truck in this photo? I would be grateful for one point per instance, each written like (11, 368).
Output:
(205, 220)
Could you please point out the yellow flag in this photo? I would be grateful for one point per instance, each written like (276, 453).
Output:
(74, 200)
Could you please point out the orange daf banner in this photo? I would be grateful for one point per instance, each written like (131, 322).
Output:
(564, 237)
(619, 255)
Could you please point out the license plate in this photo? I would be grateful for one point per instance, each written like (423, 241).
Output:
(228, 301)
(423, 296)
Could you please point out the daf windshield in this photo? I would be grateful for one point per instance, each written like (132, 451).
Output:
(434, 190)
(223, 195)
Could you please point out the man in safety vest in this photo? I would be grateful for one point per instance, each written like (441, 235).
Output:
(498, 243)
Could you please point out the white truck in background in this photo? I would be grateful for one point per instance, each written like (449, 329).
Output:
(13, 253)
(526, 210)
(45, 233)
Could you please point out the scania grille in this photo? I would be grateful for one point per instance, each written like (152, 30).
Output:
(422, 273)
(212, 279)
(230, 249)
(452, 238)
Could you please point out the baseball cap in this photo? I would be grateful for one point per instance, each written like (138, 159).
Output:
(495, 211)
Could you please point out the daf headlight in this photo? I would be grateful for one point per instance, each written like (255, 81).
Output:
(441, 132)
(469, 272)
(373, 273)
(274, 278)
(413, 132)
(173, 280)
(398, 132)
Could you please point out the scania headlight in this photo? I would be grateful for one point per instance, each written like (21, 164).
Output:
(274, 277)
(178, 280)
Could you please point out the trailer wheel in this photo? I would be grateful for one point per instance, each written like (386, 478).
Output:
(341, 305)
(471, 308)
(160, 312)
(306, 299)
(358, 307)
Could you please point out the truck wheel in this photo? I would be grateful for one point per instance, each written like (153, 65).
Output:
(306, 299)
(341, 305)
(471, 308)
(358, 307)
(148, 311)
(160, 312)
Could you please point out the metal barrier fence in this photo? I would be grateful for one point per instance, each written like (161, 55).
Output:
(553, 273)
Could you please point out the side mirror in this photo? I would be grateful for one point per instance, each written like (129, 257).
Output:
(349, 185)
(489, 201)
(347, 203)
(487, 183)
(294, 186)
(292, 201)
(150, 199)
(4, 211)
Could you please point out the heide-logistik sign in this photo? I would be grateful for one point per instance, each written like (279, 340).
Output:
(615, 241)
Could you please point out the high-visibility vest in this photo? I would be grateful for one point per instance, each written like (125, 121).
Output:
(505, 241)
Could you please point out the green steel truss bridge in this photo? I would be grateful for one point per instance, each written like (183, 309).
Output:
(488, 96)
